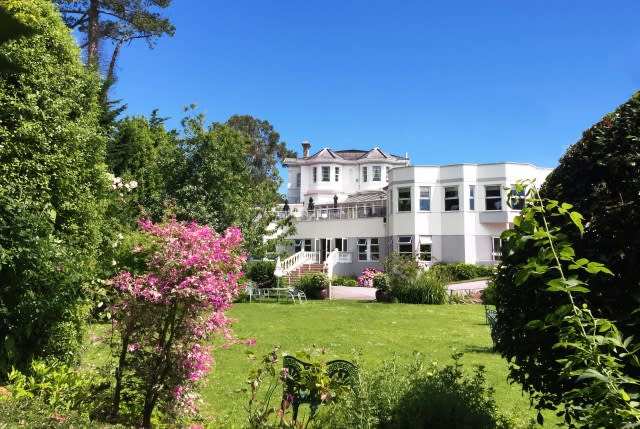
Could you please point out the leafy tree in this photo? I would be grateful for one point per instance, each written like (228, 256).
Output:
(600, 177)
(264, 148)
(561, 352)
(52, 179)
(220, 189)
(119, 21)
(142, 150)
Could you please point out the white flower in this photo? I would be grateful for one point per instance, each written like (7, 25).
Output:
(133, 184)
(113, 263)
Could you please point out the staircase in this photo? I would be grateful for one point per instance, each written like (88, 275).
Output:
(292, 277)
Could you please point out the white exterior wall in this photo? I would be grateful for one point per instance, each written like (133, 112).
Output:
(464, 235)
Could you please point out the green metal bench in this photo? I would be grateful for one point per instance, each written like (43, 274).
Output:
(340, 371)
(492, 319)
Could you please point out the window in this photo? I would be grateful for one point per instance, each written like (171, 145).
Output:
(325, 173)
(368, 249)
(297, 246)
(404, 199)
(516, 198)
(496, 248)
(451, 201)
(337, 173)
(364, 174)
(425, 248)
(405, 246)
(341, 244)
(377, 173)
(374, 249)
(315, 174)
(362, 249)
(307, 245)
(493, 200)
(387, 178)
(472, 197)
(425, 198)
(298, 179)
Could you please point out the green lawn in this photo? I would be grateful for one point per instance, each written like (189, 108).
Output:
(377, 330)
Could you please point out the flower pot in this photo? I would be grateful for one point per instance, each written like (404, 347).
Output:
(382, 295)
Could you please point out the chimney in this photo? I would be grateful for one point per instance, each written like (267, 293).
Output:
(305, 148)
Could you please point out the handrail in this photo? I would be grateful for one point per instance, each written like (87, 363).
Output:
(293, 262)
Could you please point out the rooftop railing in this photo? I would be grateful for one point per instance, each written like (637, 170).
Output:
(330, 213)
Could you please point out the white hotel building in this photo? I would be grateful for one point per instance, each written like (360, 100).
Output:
(366, 204)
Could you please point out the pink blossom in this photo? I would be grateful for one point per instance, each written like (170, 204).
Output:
(133, 347)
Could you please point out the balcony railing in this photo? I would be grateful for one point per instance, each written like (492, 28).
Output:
(326, 213)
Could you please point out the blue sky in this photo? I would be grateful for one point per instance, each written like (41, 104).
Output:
(448, 82)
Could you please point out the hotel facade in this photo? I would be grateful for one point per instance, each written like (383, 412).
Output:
(352, 208)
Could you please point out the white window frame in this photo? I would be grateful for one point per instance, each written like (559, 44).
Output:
(364, 173)
(404, 200)
(326, 173)
(315, 174)
(425, 197)
(336, 171)
(376, 173)
(340, 243)
(368, 249)
(492, 202)
(405, 240)
(425, 248)
(472, 197)
(298, 179)
(496, 248)
(452, 198)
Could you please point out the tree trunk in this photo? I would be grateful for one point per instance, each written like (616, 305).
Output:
(93, 34)
(112, 63)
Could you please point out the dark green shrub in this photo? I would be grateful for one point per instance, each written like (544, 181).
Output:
(459, 271)
(261, 272)
(426, 289)
(401, 269)
(381, 282)
(313, 283)
(344, 281)
(489, 294)
(52, 183)
(418, 396)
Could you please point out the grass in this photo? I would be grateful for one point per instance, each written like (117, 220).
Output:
(376, 330)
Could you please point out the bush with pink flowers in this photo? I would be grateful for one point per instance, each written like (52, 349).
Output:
(366, 278)
(169, 311)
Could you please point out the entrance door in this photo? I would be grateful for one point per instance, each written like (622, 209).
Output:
(325, 248)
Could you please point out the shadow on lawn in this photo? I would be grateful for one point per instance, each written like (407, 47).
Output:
(476, 349)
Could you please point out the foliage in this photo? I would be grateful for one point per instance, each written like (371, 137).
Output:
(344, 281)
(367, 278)
(52, 184)
(401, 269)
(426, 289)
(418, 395)
(143, 150)
(34, 413)
(381, 281)
(262, 273)
(270, 379)
(312, 283)
(219, 186)
(557, 346)
(489, 294)
(167, 312)
(62, 388)
(119, 21)
(459, 271)
(600, 176)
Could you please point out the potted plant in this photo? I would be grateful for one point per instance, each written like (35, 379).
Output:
(381, 283)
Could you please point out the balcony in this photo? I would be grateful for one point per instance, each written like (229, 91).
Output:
(364, 211)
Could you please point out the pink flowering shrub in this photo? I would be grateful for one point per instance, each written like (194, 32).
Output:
(366, 278)
(167, 312)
